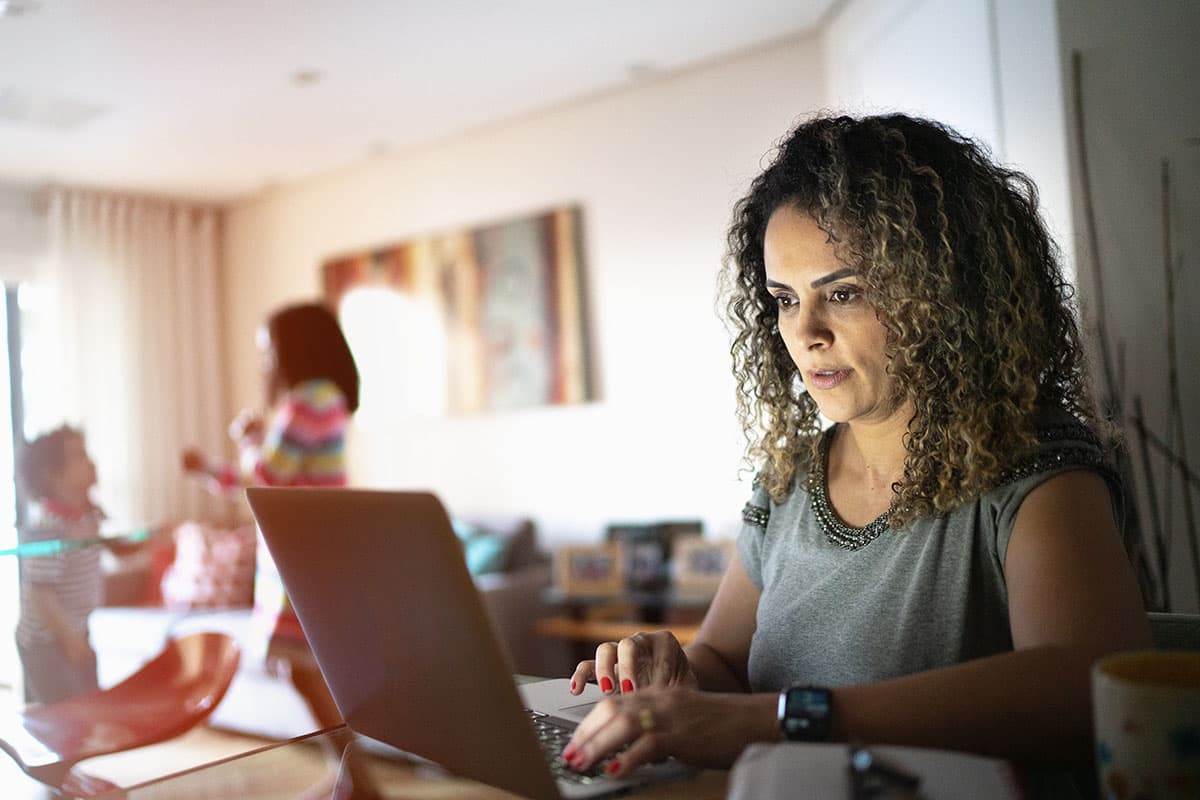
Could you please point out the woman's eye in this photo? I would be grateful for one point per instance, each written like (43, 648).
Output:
(843, 296)
(784, 301)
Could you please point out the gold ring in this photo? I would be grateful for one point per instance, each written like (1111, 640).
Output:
(646, 717)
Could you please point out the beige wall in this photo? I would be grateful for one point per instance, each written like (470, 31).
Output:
(655, 169)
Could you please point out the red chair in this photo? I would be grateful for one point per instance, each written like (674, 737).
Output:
(165, 698)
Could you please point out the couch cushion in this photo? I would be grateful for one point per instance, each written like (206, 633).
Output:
(498, 544)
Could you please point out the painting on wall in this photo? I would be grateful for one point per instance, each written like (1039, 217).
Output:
(510, 304)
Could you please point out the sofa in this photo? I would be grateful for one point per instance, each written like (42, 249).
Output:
(135, 621)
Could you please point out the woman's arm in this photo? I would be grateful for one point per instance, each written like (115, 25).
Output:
(1072, 598)
(721, 651)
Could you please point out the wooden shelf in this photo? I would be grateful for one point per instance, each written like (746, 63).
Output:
(603, 630)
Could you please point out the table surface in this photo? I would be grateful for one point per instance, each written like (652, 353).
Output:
(307, 767)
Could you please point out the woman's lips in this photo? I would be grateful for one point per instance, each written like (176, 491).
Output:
(827, 378)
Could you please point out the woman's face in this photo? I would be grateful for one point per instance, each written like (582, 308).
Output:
(831, 332)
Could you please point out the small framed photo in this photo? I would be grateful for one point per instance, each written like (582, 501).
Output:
(644, 552)
(589, 569)
(700, 563)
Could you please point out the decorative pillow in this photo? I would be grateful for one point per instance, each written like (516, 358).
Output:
(213, 567)
(485, 552)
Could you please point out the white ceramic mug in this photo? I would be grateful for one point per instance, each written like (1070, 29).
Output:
(1147, 724)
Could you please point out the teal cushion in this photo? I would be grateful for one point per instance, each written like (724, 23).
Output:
(485, 552)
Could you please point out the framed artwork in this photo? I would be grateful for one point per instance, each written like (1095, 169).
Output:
(589, 569)
(700, 563)
(510, 307)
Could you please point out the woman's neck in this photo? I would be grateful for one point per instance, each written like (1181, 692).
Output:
(873, 454)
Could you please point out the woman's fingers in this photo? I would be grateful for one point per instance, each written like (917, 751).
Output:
(643, 750)
(584, 672)
(581, 752)
(613, 724)
(638, 661)
(631, 652)
(606, 664)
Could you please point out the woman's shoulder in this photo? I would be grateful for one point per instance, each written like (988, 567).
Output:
(1063, 444)
(757, 510)
(1062, 441)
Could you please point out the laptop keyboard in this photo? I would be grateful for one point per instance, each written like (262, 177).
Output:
(553, 738)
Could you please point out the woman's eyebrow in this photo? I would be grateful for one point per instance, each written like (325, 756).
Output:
(777, 285)
(845, 272)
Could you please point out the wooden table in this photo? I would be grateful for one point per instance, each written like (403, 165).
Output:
(302, 766)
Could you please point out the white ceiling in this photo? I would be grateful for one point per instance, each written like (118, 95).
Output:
(197, 97)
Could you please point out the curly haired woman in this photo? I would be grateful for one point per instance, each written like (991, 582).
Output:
(941, 565)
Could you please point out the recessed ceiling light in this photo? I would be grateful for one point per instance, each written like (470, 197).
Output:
(59, 113)
(307, 77)
(16, 8)
(641, 70)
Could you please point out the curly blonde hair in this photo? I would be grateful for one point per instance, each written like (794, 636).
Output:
(962, 274)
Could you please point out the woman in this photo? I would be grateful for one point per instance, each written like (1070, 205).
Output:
(312, 387)
(941, 565)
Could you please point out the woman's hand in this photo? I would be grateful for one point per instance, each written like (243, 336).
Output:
(702, 728)
(193, 460)
(637, 662)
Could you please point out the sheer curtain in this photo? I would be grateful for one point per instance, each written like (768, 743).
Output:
(121, 337)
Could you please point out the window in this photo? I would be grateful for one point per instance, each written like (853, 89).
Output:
(11, 409)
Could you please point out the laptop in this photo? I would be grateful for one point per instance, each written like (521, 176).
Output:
(381, 588)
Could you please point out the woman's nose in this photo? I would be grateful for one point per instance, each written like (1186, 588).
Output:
(811, 329)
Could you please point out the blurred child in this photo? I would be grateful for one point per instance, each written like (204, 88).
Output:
(58, 591)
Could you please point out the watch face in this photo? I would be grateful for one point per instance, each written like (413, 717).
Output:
(806, 713)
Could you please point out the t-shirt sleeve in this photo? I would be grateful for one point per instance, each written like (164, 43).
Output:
(1008, 500)
(755, 514)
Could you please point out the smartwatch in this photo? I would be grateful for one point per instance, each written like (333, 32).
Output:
(806, 713)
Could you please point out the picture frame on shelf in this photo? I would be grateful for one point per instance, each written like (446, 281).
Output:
(646, 549)
(700, 563)
(591, 569)
(644, 553)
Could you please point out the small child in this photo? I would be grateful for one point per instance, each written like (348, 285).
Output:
(59, 591)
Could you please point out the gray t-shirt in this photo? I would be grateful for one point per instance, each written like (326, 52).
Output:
(928, 596)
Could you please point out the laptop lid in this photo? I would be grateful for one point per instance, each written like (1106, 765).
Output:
(382, 591)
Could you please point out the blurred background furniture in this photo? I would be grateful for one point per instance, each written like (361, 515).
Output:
(166, 697)
(511, 573)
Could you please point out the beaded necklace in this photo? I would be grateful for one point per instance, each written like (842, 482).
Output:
(1064, 447)
(837, 532)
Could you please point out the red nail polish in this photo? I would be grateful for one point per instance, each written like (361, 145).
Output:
(568, 752)
(626, 686)
(613, 767)
(572, 686)
(606, 685)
